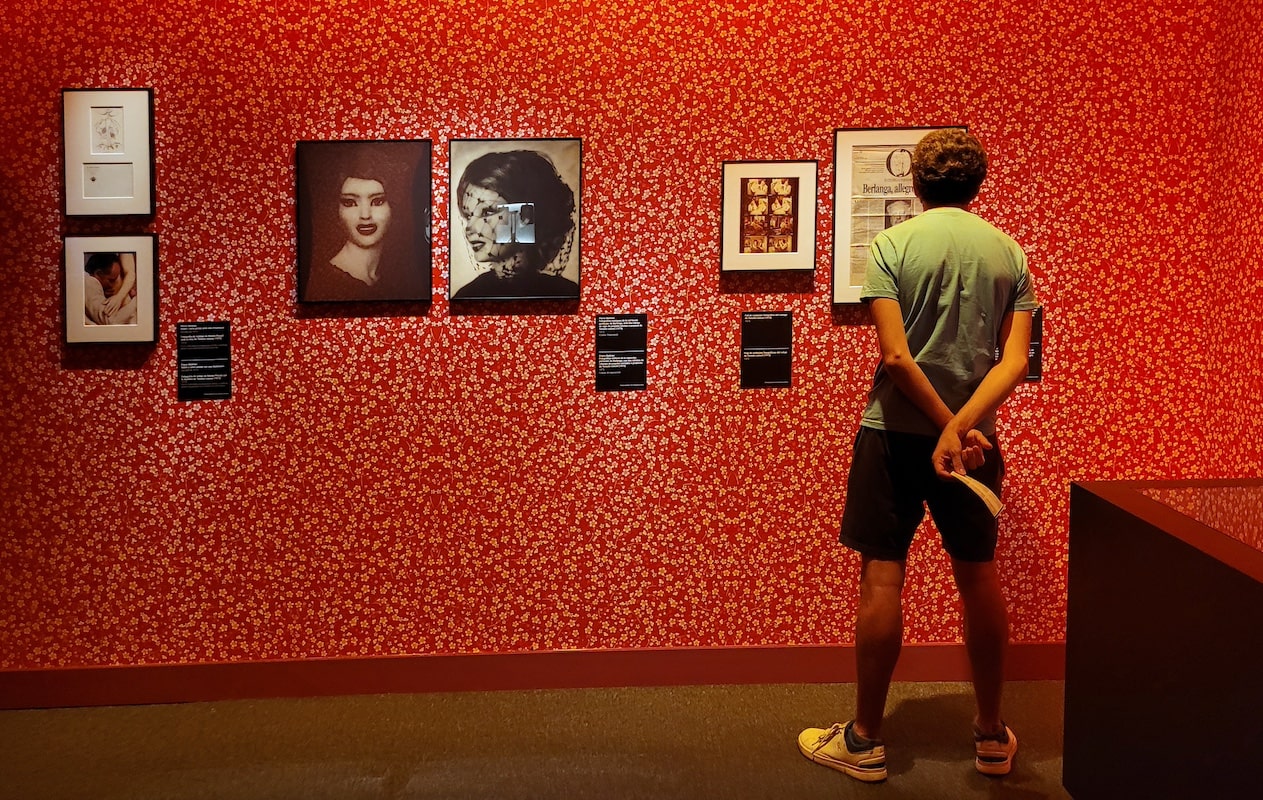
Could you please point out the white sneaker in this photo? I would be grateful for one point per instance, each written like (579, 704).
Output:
(839, 748)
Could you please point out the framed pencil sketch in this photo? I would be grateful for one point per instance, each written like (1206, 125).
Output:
(872, 190)
(110, 284)
(363, 220)
(108, 151)
(515, 217)
(769, 216)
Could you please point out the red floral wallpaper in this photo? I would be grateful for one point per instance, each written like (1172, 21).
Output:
(1234, 244)
(1230, 510)
(427, 480)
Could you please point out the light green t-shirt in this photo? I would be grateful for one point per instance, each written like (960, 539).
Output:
(955, 276)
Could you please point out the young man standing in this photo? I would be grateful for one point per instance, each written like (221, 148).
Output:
(946, 290)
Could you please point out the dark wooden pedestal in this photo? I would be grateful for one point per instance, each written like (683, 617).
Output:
(1164, 651)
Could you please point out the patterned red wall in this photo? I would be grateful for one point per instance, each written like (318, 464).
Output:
(1234, 243)
(426, 481)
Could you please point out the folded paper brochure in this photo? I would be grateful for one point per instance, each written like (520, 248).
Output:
(983, 491)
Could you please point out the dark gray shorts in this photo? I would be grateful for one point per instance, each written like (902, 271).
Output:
(892, 480)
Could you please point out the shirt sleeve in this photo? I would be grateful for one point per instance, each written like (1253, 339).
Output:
(1024, 290)
(880, 279)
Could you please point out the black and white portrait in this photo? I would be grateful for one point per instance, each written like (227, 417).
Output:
(899, 210)
(363, 220)
(515, 211)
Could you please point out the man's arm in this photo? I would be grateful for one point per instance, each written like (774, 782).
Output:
(899, 364)
(127, 262)
(910, 380)
(1008, 372)
(125, 315)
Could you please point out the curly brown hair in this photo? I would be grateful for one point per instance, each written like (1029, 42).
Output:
(948, 167)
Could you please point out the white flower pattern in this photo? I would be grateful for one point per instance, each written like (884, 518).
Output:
(424, 481)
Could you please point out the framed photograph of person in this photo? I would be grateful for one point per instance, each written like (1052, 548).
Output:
(872, 191)
(108, 151)
(363, 220)
(515, 216)
(110, 284)
(769, 216)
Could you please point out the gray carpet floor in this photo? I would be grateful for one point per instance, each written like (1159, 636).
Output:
(669, 742)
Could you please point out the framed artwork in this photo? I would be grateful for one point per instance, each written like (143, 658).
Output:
(515, 219)
(769, 216)
(363, 210)
(111, 288)
(108, 151)
(872, 190)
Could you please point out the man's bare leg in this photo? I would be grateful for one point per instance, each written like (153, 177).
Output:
(986, 636)
(878, 640)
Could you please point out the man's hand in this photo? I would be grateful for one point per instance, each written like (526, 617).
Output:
(954, 455)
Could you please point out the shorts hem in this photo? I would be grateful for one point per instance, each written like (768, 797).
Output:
(868, 551)
(970, 559)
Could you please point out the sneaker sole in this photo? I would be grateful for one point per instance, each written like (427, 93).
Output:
(998, 768)
(860, 773)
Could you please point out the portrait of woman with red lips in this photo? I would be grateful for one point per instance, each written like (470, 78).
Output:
(363, 221)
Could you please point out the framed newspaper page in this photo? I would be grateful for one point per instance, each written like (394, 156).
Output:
(108, 155)
(769, 216)
(110, 284)
(872, 190)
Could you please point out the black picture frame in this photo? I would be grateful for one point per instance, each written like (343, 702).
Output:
(107, 152)
(872, 190)
(515, 219)
(769, 216)
(348, 252)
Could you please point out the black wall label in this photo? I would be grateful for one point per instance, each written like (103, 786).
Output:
(621, 358)
(203, 360)
(766, 349)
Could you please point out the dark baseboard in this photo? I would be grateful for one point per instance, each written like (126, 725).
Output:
(581, 669)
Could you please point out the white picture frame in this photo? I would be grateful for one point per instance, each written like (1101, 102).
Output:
(86, 291)
(872, 190)
(759, 239)
(108, 152)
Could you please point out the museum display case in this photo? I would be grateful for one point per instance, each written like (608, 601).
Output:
(1163, 644)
